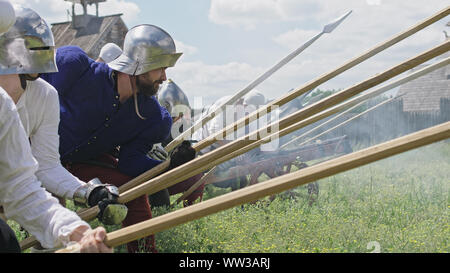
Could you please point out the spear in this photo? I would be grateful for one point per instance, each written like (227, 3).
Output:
(274, 186)
(347, 105)
(292, 95)
(287, 124)
(374, 93)
(138, 181)
(188, 133)
(349, 120)
(311, 85)
(293, 122)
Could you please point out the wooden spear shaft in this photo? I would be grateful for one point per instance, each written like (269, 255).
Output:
(348, 120)
(282, 133)
(322, 79)
(292, 95)
(91, 213)
(290, 123)
(361, 99)
(319, 126)
(197, 184)
(203, 120)
(331, 111)
(277, 185)
(204, 162)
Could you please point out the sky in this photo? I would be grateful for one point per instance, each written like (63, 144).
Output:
(227, 44)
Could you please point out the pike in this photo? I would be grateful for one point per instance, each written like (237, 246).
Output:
(350, 119)
(188, 133)
(295, 93)
(195, 186)
(319, 126)
(287, 157)
(287, 125)
(137, 183)
(349, 104)
(237, 147)
(362, 98)
(274, 186)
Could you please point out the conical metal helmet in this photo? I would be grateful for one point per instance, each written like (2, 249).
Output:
(174, 99)
(28, 46)
(146, 47)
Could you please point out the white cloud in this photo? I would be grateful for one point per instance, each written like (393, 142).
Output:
(51, 10)
(242, 13)
(369, 25)
(211, 82)
(185, 48)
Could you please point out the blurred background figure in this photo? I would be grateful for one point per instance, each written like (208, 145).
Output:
(7, 16)
(109, 53)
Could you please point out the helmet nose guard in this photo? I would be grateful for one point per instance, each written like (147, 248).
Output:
(28, 46)
(146, 47)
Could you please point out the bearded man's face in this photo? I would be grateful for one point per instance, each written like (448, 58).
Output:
(148, 83)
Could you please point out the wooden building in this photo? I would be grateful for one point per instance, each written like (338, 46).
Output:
(427, 94)
(90, 32)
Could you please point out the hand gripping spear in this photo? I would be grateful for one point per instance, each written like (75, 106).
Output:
(295, 121)
(273, 186)
(163, 166)
(188, 133)
(293, 94)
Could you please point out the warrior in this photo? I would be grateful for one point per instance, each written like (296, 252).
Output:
(26, 50)
(110, 117)
(109, 53)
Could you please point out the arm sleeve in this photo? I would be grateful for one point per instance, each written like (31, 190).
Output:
(133, 158)
(21, 194)
(72, 62)
(44, 146)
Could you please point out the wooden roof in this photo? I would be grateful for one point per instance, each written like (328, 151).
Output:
(89, 37)
(424, 94)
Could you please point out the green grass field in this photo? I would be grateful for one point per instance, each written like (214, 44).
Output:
(400, 204)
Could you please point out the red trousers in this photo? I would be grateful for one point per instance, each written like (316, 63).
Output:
(138, 209)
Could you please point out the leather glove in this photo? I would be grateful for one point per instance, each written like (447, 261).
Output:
(158, 152)
(181, 154)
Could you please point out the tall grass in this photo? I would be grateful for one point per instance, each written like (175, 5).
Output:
(400, 204)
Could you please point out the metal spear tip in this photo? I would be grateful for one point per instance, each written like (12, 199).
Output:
(331, 26)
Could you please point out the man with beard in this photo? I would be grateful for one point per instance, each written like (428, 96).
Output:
(106, 106)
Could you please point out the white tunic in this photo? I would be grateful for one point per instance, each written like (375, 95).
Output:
(38, 108)
(21, 194)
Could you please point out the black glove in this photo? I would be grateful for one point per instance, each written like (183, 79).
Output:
(181, 154)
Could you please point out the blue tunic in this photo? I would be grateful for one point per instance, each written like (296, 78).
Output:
(93, 121)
